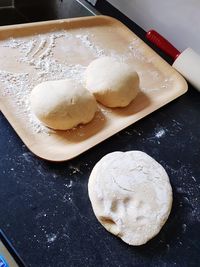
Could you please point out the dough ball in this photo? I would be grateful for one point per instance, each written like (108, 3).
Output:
(131, 195)
(114, 84)
(62, 104)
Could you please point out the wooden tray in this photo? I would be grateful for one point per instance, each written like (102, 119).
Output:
(67, 47)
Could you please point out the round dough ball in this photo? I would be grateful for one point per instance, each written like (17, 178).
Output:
(62, 104)
(114, 84)
(131, 195)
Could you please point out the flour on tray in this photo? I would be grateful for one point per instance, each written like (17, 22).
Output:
(36, 54)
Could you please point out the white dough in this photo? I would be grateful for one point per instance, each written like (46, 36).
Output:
(114, 84)
(62, 104)
(131, 195)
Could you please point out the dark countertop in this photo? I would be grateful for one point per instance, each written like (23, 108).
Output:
(45, 209)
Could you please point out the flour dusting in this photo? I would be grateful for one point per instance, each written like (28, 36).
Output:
(69, 185)
(51, 237)
(160, 133)
(86, 41)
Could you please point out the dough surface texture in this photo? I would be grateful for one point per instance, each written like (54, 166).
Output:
(113, 83)
(131, 195)
(62, 104)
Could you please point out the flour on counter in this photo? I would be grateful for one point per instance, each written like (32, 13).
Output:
(74, 169)
(51, 237)
(188, 193)
(69, 185)
(66, 197)
(160, 133)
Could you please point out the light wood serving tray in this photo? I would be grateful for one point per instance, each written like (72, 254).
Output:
(86, 39)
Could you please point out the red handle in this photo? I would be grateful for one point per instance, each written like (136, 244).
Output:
(162, 43)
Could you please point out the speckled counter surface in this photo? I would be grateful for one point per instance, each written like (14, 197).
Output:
(45, 209)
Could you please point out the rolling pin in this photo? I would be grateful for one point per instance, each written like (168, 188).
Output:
(186, 62)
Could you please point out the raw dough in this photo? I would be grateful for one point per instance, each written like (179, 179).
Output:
(62, 104)
(114, 84)
(131, 195)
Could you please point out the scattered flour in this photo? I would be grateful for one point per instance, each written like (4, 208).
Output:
(160, 133)
(66, 198)
(69, 185)
(51, 237)
(134, 51)
(74, 169)
(86, 41)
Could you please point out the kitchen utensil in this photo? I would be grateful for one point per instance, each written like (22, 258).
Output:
(186, 62)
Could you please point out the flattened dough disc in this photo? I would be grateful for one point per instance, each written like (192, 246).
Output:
(131, 195)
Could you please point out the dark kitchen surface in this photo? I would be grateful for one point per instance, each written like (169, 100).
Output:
(10, 16)
(45, 210)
